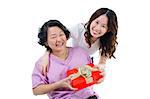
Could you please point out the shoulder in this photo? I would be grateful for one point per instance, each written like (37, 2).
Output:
(37, 63)
(80, 25)
(78, 28)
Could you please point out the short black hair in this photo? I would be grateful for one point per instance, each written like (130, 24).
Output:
(42, 35)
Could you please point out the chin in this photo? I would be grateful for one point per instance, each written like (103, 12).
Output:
(95, 36)
(61, 48)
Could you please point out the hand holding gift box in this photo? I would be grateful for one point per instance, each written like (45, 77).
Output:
(84, 76)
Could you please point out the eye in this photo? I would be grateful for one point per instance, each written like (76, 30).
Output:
(104, 26)
(62, 34)
(97, 22)
(52, 37)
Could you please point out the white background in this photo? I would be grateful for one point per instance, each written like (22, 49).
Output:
(127, 77)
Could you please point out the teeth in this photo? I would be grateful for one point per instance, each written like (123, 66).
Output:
(59, 44)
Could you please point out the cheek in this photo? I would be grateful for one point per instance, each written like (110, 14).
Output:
(92, 25)
(104, 31)
(64, 38)
(51, 43)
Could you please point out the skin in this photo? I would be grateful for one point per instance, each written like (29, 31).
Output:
(99, 26)
(57, 42)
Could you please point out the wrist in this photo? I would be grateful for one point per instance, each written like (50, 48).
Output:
(58, 84)
(101, 66)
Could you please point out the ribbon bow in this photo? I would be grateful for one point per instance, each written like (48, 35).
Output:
(85, 72)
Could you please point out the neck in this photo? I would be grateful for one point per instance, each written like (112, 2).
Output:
(93, 39)
(61, 54)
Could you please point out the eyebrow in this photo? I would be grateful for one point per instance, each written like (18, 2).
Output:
(55, 33)
(104, 24)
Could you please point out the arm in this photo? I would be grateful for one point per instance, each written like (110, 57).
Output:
(44, 62)
(102, 60)
(101, 67)
(45, 88)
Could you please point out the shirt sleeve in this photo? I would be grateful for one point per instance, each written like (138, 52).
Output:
(75, 34)
(37, 77)
(76, 31)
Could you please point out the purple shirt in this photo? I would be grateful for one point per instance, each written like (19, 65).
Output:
(57, 71)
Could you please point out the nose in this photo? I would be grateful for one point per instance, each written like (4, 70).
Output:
(58, 38)
(97, 28)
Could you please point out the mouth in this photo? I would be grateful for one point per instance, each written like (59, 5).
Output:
(59, 44)
(95, 33)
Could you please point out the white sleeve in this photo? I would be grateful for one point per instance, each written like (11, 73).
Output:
(76, 31)
(75, 34)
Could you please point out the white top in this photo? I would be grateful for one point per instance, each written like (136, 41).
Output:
(78, 39)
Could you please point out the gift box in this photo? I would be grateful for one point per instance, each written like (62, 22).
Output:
(84, 76)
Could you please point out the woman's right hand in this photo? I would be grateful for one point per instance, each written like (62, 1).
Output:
(66, 83)
(44, 63)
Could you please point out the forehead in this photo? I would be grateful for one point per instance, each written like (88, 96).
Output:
(103, 19)
(54, 30)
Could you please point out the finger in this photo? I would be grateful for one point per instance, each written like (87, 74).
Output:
(40, 66)
(73, 88)
(67, 79)
(69, 86)
(47, 68)
(100, 80)
(101, 66)
(70, 77)
(102, 73)
(101, 69)
(42, 70)
(45, 71)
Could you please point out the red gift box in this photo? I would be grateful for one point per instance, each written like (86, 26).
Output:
(84, 76)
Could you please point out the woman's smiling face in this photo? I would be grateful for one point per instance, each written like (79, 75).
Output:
(99, 26)
(56, 38)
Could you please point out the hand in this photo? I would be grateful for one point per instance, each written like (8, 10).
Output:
(45, 69)
(101, 79)
(101, 68)
(66, 83)
(44, 64)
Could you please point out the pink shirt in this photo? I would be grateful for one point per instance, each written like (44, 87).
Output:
(57, 71)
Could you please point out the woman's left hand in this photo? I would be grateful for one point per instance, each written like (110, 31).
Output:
(101, 68)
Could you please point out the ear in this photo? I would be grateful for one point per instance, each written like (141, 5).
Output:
(46, 43)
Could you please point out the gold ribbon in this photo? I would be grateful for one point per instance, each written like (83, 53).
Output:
(86, 72)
